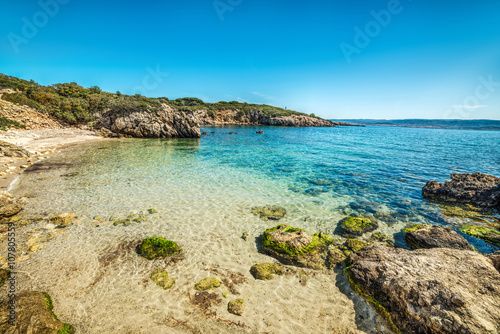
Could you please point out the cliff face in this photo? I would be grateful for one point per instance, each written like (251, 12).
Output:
(170, 123)
(228, 117)
(164, 123)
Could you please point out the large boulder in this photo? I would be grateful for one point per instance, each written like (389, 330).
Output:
(10, 206)
(426, 236)
(438, 290)
(11, 150)
(294, 246)
(495, 259)
(478, 189)
(163, 123)
(34, 315)
(351, 227)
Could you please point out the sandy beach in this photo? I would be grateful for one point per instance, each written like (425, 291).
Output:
(41, 143)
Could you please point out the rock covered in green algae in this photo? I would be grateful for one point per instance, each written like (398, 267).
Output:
(236, 306)
(152, 211)
(426, 236)
(483, 233)
(35, 314)
(272, 212)
(4, 276)
(161, 278)
(356, 226)
(156, 247)
(265, 271)
(352, 246)
(208, 283)
(63, 219)
(294, 246)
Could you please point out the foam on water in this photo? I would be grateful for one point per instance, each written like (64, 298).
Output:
(203, 191)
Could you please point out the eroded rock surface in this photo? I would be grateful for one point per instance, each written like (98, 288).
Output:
(478, 189)
(426, 236)
(11, 150)
(438, 290)
(10, 206)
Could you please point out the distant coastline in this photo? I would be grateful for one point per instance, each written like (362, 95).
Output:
(458, 124)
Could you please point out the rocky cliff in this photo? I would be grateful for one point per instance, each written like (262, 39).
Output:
(169, 122)
(164, 123)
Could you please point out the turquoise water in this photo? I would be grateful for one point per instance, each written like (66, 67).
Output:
(203, 190)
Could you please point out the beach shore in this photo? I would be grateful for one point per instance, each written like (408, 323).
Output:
(41, 143)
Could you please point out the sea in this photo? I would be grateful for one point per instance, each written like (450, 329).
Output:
(203, 191)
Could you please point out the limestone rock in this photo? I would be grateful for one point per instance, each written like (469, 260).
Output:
(236, 306)
(355, 226)
(426, 236)
(10, 206)
(208, 283)
(63, 219)
(437, 290)
(265, 271)
(11, 150)
(271, 212)
(294, 246)
(477, 189)
(34, 315)
(495, 259)
(162, 278)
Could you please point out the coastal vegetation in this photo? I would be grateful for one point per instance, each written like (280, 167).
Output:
(75, 104)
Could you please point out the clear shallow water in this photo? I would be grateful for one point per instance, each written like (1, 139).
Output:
(203, 190)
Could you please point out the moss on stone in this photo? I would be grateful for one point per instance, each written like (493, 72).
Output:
(272, 212)
(352, 246)
(356, 226)
(156, 247)
(66, 328)
(414, 227)
(140, 219)
(318, 240)
(236, 306)
(4, 276)
(208, 283)
(483, 233)
(62, 220)
(152, 211)
(265, 271)
(371, 300)
(161, 278)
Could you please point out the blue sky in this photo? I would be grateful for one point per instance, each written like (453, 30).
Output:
(335, 58)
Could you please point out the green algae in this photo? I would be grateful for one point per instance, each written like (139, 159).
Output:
(352, 246)
(156, 247)
(152, 211)
(208, 283)
(67, 328)
(162, 278)
(318, 240)
(380, 309)
(236, 306)
(483, 233)
(356, 226)
(414, 227)
(271, 212)
(265, 271)
(4, 276)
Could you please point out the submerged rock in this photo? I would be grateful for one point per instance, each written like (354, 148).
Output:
(153, 248)
(236, 306)
(161, 278)
(293, 246)
(438, 290)
(426, 236)
(265, 271)
(272, 212)
(483, 233)
(63, 219)
(34, 315)
(208, 283)
(355, 226)
(477, 189)
(10, 206)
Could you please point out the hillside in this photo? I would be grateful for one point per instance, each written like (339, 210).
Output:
(140, 116)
